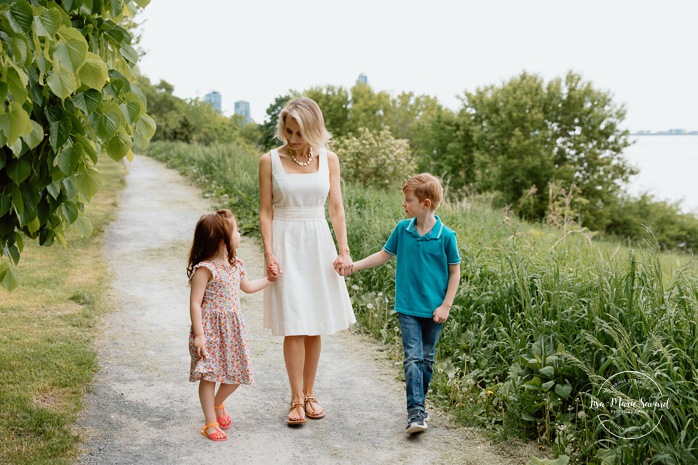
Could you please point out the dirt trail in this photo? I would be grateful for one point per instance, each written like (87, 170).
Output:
(143, 410)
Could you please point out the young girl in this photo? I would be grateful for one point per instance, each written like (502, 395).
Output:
(218, 339)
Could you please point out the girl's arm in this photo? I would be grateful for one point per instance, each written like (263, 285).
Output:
(376, 259)
(248, 286)
(199, 281)
(266, 214)
(336, 209)
(442, 311)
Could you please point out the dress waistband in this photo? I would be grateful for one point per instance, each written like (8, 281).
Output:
(299, 213)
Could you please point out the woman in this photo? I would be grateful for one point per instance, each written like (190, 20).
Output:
(310, 298)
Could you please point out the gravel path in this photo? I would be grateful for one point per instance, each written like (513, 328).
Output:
(143, 410)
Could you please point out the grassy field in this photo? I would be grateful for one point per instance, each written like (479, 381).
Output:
(542, 319)
(47, 356)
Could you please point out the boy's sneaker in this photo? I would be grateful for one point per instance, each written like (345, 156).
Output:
(416, 424)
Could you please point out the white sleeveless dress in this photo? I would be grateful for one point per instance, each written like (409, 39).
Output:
(309, 298)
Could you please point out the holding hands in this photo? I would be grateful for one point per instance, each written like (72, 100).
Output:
(343, 265)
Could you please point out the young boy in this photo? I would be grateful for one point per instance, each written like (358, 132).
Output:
(427, 276)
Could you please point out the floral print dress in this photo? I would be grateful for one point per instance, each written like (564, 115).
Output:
(228, 360)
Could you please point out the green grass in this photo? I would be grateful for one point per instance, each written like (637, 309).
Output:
(541, 319)
(47, 356)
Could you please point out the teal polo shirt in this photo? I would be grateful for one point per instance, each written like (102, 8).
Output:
(421, 278)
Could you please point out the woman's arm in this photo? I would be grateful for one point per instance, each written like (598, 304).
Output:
(336, 208)
(199, 281)
(266, 213)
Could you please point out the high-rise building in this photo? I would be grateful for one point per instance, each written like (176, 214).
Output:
(213, 98)
(243, 108)
(363, 79)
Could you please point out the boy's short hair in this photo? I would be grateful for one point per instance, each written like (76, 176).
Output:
(425, 186)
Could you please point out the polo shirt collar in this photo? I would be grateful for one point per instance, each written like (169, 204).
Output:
(434, 233)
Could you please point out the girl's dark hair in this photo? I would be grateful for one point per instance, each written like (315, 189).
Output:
(210, 231)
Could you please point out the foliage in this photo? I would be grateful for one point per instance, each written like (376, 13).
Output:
(346, 112)
(531, 134)
(268, 138)
(48, 354)
(335, 104)
(444, 144)
(65, 97)
(374, 159)
(646, 218)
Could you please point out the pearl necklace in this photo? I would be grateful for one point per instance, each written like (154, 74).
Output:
(292, 154)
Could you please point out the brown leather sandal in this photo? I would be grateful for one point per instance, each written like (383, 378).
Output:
(314, 416)
(298, 421)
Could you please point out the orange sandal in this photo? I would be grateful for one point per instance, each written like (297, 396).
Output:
(298, 421)
(217, 435)
(224, 421)
(314, 416)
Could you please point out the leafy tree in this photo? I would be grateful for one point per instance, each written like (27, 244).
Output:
(66, 96)
(335, 103)
(374, 159)
(268, 138)
(530, 134)
(368, 109)
(407, 111)
(444, 144)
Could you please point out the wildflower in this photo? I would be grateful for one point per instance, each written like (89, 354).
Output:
(355, 287)
(490, 392)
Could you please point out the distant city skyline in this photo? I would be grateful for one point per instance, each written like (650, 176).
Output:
(642, 54)
(242, 108)
(214, 99)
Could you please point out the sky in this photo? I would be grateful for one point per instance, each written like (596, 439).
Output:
(643, 52)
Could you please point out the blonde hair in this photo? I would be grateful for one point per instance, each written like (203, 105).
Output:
(425, 186)
(309, 117)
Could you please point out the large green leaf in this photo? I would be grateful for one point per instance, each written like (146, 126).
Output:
(20, 17)
(70, 212)
(71, 53)
(89, 181)
(9, 277)
(17, 200)
(15, 123)
(59, 132)
(69, 158)
(47, 23)
(93, 72)
(133, 108)
(145, 128)
(20, 49)
(62, 83)
(129, 53)
(19, 170)
(108, 120)
(17, 81)
(118, 146)
(88, 147)
(87, 101)
(35, 137)
(83, 226)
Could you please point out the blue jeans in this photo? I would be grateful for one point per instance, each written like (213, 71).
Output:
(419, 338)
